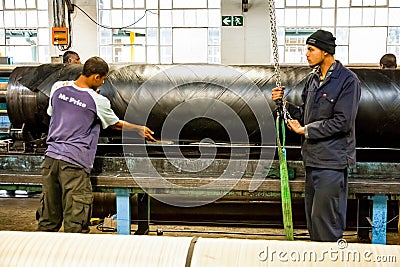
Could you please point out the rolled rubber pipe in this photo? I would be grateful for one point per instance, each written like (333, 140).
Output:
(164, 89)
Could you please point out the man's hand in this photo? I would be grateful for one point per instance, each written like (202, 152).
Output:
(143, 131)
(294, 125)
(277, 93)
(146, 133)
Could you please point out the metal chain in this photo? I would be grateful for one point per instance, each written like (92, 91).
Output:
(285, 188)
(272, 20)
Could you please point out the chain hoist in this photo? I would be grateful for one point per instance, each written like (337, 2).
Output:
(282, 116)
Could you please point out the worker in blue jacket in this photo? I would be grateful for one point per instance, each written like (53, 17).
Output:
(330, 101)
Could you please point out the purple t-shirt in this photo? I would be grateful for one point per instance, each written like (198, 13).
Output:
(76, 114)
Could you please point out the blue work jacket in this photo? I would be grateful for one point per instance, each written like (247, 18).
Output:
(328, 113)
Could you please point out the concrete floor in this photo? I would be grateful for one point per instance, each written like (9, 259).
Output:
(18, 214)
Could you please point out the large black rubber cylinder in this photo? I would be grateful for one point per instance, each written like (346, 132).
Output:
(138, 87)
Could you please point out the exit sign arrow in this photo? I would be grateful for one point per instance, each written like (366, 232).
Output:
(227, 20)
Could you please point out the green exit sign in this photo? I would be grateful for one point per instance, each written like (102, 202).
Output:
(237, 20)
(232, 20)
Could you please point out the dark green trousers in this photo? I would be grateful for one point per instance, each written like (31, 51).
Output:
(66, 195)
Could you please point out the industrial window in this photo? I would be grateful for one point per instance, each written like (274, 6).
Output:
(24, 31)
(160, 31)
(365, 29)
(298, 3)
(369, 2)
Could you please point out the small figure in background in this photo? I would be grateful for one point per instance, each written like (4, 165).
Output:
(71, 57)
(388, 61)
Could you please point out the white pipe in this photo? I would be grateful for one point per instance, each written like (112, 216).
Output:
(75, 250)
(21, 249)
(241, 252)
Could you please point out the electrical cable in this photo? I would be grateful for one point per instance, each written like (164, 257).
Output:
(61, 22)
(395, 217)
(100, 227)
(114, 28)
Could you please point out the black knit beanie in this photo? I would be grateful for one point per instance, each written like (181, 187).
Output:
(324, 40)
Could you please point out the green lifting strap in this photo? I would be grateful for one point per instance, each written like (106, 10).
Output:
(285, 189)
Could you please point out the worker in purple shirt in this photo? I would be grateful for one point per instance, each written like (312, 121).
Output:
(77, 112)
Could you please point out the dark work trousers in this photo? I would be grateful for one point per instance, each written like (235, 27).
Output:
(66, 194)
(326, 203)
